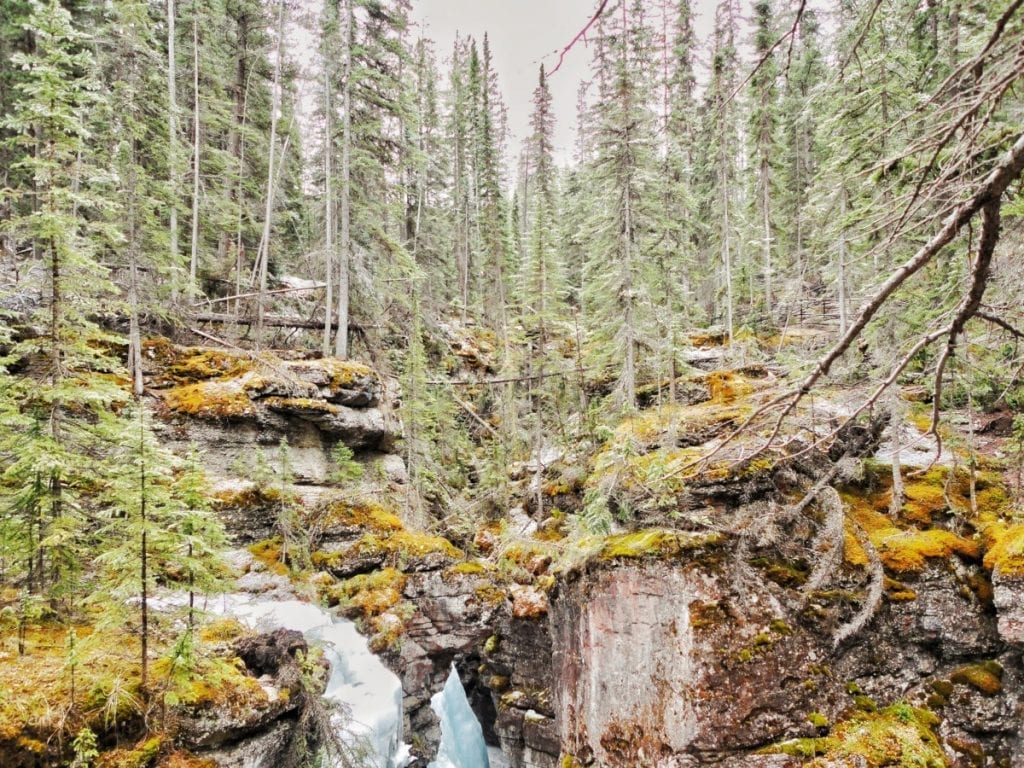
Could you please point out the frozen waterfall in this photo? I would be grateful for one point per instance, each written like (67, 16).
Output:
(462, 738)
(359, 680)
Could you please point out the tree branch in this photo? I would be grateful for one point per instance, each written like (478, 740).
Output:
(579, 36)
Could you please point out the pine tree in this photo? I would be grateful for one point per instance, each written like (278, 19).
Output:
(53, 446)
(623, 165)
(763, 128)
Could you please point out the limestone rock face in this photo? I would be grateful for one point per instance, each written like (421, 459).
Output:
(669, 663)
(1008, 598)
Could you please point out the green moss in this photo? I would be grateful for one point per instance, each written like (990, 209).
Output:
(706, 615)
(143, 755)
(270, 553)
(469, 568)
(898, 736)
(369, 594)
(864, 703)
(986, 677)
(655, 543)
(817, 719)
(368, 515)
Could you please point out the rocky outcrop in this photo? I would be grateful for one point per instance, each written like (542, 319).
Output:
(240, 408)
(257, 730)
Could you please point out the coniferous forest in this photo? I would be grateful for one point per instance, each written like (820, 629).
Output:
(290, 314)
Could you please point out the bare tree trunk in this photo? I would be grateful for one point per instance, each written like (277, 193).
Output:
(264, 254)
(766, 223)
(628, 382)
(194, 259)
(341, 340)
(843, 319)
(328, 206)
(172, 146)
(896, 425)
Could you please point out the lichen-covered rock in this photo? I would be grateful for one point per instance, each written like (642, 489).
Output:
(1008, 598)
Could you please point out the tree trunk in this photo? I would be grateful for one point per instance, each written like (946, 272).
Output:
(194, 259)
(172, 146)
(341, 340)
(268, 212)
(328, 207)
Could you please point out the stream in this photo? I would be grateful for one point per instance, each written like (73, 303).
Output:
(362, 685)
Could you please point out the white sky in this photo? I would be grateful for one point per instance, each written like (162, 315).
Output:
(523, 34)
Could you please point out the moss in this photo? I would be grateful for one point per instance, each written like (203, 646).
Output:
(270, 553)
(897, 591)
(800, 747)
(181, 759)
(817, 719)
(864, 703)
(222, 630)
(190, 364)
(339, 373)
(706, 615)
(490, 594)
(898, 736)
(212, 400)
(986, 677)
(370, 594)
(655, 543)
(469, 568)
(249, 497)
(143, 755)
(907, 552)
(727, 386)
(301, 404)
(1004, 549)
(368, 515)
(781, 572)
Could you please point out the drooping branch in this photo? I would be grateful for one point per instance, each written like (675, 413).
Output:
(579, 36)
(968, 306)
(988, 193)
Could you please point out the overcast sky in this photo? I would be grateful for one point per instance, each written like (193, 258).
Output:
(523, 34)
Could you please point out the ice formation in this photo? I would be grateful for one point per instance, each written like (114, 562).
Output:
(462, 738)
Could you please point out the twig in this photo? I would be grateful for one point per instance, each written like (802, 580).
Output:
(579, 36)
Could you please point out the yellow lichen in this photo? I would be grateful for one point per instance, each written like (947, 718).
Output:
(269, 552)
(369, 515)
(306, 404)
(1004, 549)
(369, 594)
(727, 386)
(908, 551)
(656, 543)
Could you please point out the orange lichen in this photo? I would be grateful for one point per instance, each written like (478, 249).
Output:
(368, 515)
(727, 386)
(986, 677)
